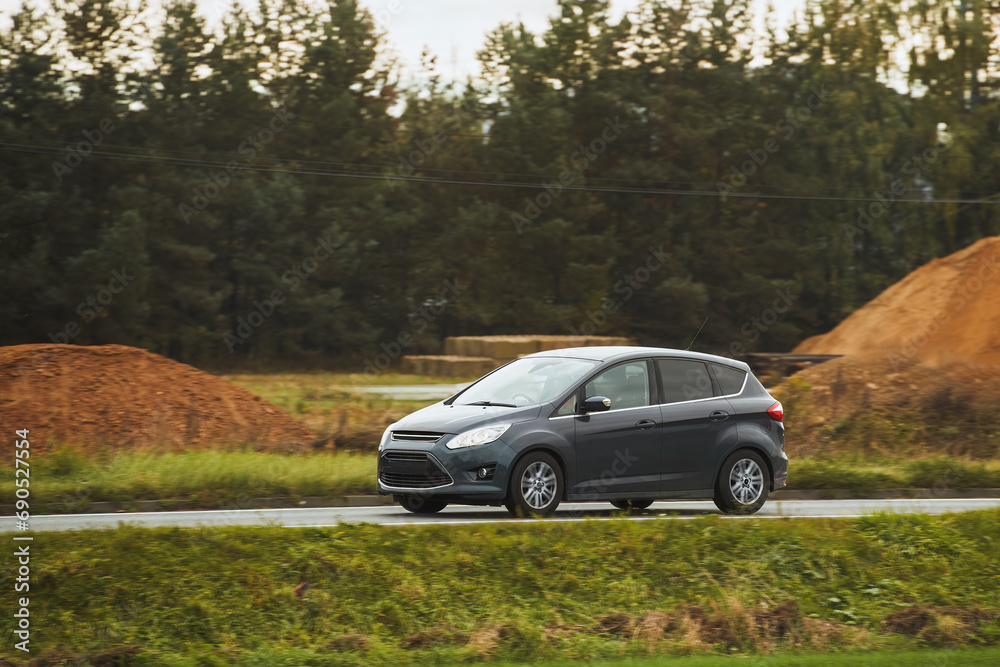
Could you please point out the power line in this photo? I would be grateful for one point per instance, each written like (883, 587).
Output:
(200, 164)
(648, 183)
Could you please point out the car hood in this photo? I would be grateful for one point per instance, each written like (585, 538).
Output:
(459, 418)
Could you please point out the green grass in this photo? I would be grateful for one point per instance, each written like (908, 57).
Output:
(517, 592)
(974, 657)
(866, 474)
(67, 481)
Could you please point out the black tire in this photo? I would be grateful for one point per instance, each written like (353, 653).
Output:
(743, 484)
(536, 486)
(632, 505)
(419, 505)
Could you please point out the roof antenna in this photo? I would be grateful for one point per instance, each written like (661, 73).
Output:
(696, 335)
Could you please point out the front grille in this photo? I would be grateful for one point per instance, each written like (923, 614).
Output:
(405, 456)
(411, 470)
(416, 436)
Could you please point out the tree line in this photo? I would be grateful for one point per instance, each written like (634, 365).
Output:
(272, 190)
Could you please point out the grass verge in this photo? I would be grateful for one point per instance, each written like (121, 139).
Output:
(969, 657)
(66, 480)
(865, 474)
(369, 595)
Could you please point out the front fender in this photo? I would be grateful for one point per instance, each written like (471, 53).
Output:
(555, 435)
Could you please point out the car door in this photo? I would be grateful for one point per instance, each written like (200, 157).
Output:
(695, 424)
(618, 451)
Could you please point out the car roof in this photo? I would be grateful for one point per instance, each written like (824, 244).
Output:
(625, 352)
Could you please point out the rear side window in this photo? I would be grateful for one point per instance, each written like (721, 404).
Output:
(730, 379)
(684, 380)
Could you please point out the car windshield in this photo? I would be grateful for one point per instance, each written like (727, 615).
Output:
(527, 381)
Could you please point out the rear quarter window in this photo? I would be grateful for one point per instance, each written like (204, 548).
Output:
(730, 379)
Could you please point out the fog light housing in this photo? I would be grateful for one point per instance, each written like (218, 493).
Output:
(482, 473)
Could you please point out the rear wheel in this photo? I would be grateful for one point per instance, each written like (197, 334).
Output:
(743, 483)
(419, 505)
(536, 486)
(632, 505)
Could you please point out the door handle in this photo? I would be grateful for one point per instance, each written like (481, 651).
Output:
(718, 416)
(645, 424)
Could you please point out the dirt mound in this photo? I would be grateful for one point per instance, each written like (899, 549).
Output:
(842, 387)
(947, 310)
(117, 396)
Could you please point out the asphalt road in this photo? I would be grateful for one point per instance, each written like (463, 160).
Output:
(462, 514)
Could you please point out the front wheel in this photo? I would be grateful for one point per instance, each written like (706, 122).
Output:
(419, 505)
(632, 505)
(536, 486)
(743, 483)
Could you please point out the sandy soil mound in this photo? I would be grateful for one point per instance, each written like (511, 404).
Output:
(113, 395)
(946, 311)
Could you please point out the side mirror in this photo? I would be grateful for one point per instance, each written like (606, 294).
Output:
(597, 404)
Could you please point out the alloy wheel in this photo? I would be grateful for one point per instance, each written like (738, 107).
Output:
(538, 485)
(746, 481)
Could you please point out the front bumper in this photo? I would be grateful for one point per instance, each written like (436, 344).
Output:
(434, 471)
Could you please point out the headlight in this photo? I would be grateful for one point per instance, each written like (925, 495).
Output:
(480, 436)
(385, 438)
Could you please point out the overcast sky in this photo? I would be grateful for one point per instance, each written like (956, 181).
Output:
(453, 30)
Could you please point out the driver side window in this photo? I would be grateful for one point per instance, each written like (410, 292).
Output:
(627, 385)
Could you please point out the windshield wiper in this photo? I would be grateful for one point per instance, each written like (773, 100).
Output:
(491, 404)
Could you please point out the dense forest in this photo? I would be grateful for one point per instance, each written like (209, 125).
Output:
(272, 191)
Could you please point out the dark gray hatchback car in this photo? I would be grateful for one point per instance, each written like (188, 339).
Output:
(628, 425)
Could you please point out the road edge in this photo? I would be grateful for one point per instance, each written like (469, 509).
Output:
(365, 500)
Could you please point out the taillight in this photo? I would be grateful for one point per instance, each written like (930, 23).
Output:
(775, 412)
